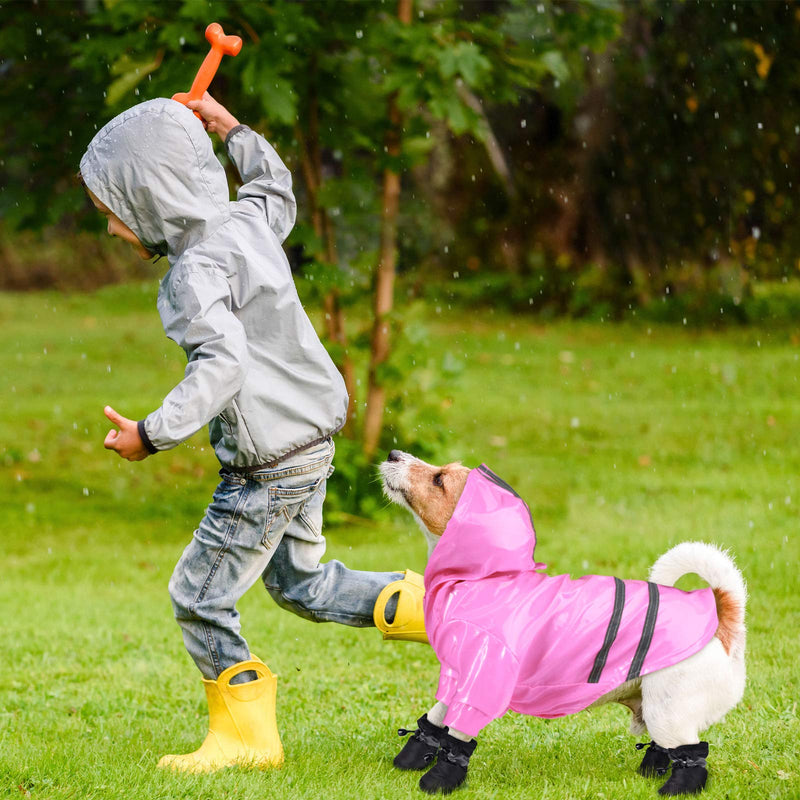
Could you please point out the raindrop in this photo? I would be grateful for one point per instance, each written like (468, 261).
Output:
(38, 31)
(182, 41)
(85, 491)
(359, 34)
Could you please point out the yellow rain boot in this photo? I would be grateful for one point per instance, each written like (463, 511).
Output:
(242, 729)
(409, 620)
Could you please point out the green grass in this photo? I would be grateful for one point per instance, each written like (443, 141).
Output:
(624, 440)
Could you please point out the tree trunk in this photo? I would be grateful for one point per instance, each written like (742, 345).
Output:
(380, 345)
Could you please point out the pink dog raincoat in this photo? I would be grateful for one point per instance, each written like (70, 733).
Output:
(510, 637)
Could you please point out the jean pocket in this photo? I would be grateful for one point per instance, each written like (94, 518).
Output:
(285, 504)
(309, 518)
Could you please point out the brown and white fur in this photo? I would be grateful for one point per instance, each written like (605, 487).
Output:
(674, 704)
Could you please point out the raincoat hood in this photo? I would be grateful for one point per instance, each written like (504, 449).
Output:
(491, 532)
(154, 167)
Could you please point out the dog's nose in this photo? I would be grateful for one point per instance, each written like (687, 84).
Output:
(395, 455)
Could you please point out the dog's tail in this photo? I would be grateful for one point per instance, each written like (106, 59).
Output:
(718, 570)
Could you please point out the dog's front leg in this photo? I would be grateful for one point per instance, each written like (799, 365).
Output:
(452, 747)
(423, 746)
(436, 714)
(450, 769)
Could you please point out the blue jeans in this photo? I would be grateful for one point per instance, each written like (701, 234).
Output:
(266, 524)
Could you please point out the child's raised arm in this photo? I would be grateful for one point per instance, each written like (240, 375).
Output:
(267, 183)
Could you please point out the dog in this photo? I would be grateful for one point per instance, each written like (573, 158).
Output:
(509, 636)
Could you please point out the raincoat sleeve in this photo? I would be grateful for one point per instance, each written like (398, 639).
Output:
(477, 677)
(267, 181)
(201, 322)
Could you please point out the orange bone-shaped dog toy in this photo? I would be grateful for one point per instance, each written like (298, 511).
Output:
(221, 45)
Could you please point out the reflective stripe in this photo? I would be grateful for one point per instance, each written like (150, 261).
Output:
(647, 631)
(611, 632)
(486, 472)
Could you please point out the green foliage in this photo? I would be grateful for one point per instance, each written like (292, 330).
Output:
(675, 146)
(710, 176)
(350, 57)
(50, 111)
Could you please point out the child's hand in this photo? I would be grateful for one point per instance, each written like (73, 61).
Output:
(126, 441)
(216, 118)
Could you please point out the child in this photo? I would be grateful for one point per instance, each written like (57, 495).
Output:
(259, 377)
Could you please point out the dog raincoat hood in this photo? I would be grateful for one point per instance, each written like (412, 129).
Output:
(510, 637)
(257, 373)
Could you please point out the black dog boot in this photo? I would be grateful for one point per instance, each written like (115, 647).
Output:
(421, 749)
(655, 761)
(450, 769)
(689, 771)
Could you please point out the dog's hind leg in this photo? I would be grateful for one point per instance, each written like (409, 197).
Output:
(689, 771)
(681, 701)
(655, 761)
(637, 722)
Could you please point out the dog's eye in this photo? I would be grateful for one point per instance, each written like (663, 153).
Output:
(437, 479)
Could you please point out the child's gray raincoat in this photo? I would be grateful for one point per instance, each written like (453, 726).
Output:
(257, 371)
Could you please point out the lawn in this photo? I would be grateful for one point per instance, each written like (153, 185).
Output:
(624, 439)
